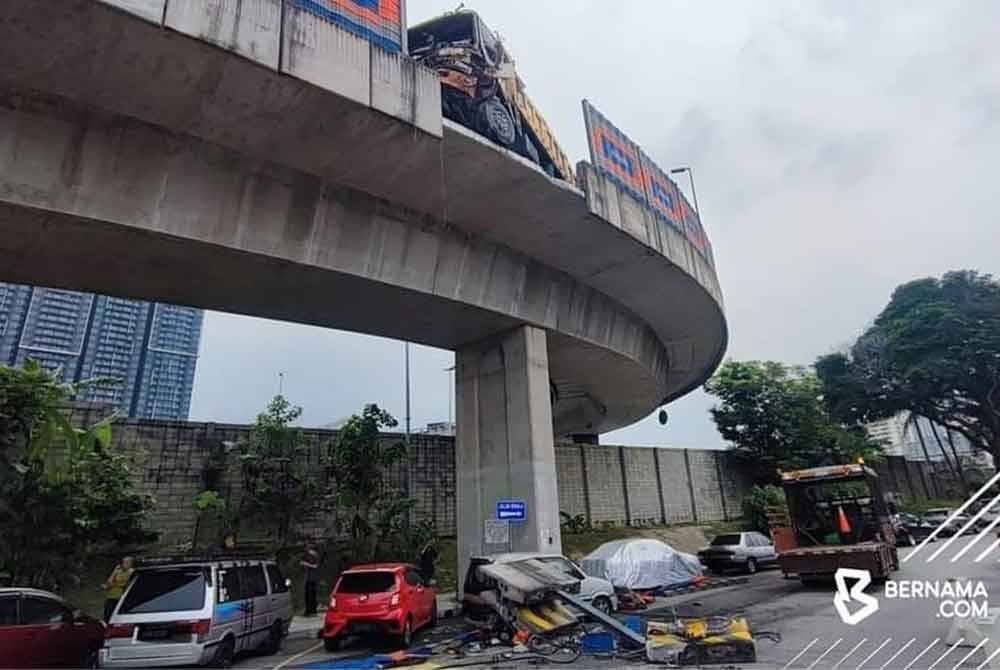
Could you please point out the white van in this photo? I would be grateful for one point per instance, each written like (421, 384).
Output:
(196, 612)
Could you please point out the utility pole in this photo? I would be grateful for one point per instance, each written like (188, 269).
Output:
(406, 354)
(451, 391)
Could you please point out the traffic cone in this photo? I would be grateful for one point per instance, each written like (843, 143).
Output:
(843, 524)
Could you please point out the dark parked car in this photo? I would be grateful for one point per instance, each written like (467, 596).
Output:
(745, 551)
(912, 529)
(39, 629)
(941, 515)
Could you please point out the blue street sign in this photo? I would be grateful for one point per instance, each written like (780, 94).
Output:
(512, 510)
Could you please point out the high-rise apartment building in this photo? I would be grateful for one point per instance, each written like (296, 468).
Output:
(144, 353)
(900, 436)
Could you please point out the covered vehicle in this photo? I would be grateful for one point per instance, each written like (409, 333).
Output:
(641, 563)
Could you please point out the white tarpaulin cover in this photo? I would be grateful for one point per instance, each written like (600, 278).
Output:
(641, 564)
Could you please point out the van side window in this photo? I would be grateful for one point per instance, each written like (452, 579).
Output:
(254, 583)
(277, 579)
(229, 585)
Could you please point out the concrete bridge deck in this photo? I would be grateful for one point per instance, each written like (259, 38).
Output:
(241, 155)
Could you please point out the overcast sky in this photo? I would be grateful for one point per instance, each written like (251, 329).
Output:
(840, 148)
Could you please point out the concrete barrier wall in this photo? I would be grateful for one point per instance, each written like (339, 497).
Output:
(285, 38)
(169, 458)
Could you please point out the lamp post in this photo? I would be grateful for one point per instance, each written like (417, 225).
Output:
(451, 390)
(281, 382)
(406, 356)
(694, 194)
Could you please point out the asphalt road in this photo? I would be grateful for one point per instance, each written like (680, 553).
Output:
(903, 634)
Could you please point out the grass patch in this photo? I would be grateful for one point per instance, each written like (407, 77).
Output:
(919, 507)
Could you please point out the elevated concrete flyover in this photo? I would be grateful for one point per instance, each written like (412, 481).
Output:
(241, 155)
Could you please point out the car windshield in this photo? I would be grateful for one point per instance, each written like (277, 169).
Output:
(725, 540)
(378, 581)
(165, 591)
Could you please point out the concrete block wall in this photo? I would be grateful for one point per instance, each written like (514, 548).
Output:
(708, 494)
(676, 491)
(604, 485)
(642, 486)
(167, 460)
(572, 486)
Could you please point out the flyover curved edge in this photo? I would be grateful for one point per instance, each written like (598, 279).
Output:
(596, 236)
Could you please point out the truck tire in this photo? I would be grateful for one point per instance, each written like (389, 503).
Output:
(496, 123)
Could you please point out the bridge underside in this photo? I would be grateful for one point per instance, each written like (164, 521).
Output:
(139, 161)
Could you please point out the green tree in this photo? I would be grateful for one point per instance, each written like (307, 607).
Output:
(775, 418)
(378, 514)
(757, 502)
(278, 488)
(934, 351)
(65, 494)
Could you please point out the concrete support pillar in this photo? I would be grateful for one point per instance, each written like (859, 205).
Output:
(504, 443)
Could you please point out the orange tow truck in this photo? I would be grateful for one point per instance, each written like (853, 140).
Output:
(835, 517)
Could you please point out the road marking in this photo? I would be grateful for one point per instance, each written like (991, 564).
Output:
(987, 550)
(969, 655)
(946, 652)
(863, 640)
(823, 655)
(297, 656)
(921, 654)
(988, 659)
(901, 650)
(954, 514)
(798, 655)
(977, 538)
(877, 650)
(966, 526)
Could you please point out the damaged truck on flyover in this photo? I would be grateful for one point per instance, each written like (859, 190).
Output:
(480, 88)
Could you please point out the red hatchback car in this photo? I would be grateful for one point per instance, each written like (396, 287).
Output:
(39, 629)
(387, 598)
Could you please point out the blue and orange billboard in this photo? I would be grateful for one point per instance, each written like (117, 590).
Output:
(613, 153)
(662, 193)
(378, 21)
(624, 162)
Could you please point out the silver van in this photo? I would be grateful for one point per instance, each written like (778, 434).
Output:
(197, 612)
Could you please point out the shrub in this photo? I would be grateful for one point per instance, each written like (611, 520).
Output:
(756, 502)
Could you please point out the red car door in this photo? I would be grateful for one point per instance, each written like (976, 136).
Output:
(12, 640)
(51, 631)
(416, 594)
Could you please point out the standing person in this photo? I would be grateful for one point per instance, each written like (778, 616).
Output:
(310, 573)
(428, 555)
(114, 585)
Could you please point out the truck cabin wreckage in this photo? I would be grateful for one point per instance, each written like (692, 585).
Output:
(481, 90)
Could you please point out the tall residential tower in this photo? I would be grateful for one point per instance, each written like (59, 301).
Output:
(146, 351)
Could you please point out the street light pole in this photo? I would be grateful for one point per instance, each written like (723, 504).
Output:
(406, 354)
(281, 382)
(451, 391)
(694, 193)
